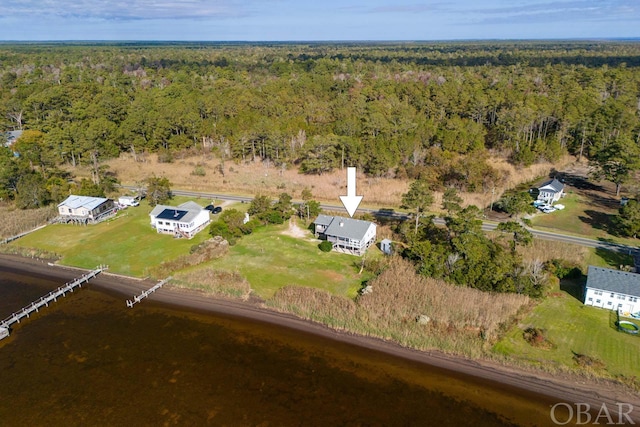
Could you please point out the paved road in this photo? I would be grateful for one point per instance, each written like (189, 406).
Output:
(385, 213)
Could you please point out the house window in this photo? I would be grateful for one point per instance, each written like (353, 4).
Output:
(590, 299)
(597, 301)
(612, 294)
(608, 302)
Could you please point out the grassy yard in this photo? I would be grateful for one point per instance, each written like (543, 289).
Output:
(127, 243)
(269, 260)
(583, 217)
(572, 327)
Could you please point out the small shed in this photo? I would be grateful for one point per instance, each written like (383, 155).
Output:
(385, 246)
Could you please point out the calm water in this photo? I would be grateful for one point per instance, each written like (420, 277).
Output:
(89, 360)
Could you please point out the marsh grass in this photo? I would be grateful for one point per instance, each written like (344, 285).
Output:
(16, 221)
(214, 282)
(460, 320)
(546, 250)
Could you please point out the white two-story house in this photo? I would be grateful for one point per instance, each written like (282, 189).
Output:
(612, 289)
(185, 220)
(551, 191)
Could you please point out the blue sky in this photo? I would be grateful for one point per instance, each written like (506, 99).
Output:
(267, 20)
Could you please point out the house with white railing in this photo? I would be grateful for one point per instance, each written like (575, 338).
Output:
(185, 220)
(85, 209)
(551, 191)
(348, 235)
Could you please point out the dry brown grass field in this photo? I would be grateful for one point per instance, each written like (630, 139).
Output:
(16, 221)
(460, 320)
(264, 178)
(545, 250)
(214, 282)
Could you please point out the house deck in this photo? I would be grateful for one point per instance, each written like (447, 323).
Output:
(84, 220)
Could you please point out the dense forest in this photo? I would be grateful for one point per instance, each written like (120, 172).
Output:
(433, 111)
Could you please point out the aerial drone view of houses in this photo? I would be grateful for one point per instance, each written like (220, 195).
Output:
(189, 218)
(487, 224)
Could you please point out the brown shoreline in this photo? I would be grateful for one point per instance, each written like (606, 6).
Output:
(565, 388)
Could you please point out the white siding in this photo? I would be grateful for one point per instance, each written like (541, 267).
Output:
(612, 300)
(170, 227)
(549, 196)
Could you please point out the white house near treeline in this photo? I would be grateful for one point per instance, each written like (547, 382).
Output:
(551, 191)
(185, 220)
(11, 137)
(348, 235)
(613, 289)
(85, 209)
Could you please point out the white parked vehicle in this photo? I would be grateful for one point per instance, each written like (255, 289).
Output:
(128, 201)
(559, 207)
(549, 209)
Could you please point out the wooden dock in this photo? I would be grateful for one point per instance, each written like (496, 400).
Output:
(5, 325)
(144, 294)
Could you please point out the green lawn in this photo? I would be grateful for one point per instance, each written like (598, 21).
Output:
(269, 260)
(574, 327)
(127, 243)
(582, 218)
(607, 259)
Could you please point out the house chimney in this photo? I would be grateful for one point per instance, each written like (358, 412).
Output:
(341, 223)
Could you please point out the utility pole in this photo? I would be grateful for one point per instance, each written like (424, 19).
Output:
(493, 191)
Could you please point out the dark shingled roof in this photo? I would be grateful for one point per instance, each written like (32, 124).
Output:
(553, 184)
(616, 281)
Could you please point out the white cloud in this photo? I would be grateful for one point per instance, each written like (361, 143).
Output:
(569, 11)
(128, 10)
(384, 7)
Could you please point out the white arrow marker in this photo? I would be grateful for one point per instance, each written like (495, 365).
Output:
(351, 201)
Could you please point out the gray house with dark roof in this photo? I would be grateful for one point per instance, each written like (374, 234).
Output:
(348, 235)
(612, 289)
(551, 191)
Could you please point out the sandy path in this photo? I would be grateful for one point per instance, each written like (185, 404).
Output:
(564, 388)
(295, 231)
